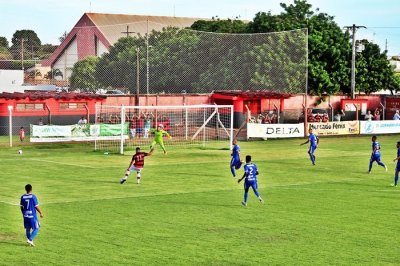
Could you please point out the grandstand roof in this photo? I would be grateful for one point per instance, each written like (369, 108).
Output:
(47, 95)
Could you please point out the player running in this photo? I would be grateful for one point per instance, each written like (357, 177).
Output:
(314, 141)
(396, 171)
(376, 155)
(29, 205)
(250, 175)
(236, 163)
(158, 137)
(136, 164)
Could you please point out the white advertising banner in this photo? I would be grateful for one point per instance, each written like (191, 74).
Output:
(380, 127)
(51, 131)
(255, 130)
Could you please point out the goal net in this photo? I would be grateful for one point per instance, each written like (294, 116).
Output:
(122, 128)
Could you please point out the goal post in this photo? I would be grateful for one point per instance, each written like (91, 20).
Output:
(122, 128)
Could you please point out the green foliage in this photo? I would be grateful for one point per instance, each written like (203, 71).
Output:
(52, 74)
(3, 42)
(187, 209)
(30, 40)
(5, 54)
(218, 25)
(83, 74)
(374, 71)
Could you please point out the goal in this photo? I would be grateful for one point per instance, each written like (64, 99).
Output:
(122, 128)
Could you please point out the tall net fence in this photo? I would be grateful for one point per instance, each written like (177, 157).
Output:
(172, 60)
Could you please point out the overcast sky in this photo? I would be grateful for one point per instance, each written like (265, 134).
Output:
(51, 18)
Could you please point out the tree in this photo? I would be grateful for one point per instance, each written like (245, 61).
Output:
(46, 50)
(52, 74)
(217, 25)
(373, 70)
(3, 42)
(27, 39)
(83, 74)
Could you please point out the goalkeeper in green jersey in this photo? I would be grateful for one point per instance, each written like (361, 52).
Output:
(158, 137)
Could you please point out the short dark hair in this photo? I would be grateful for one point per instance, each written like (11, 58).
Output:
(398, 143)
(248, 158)
(28, 187)
(137, 148)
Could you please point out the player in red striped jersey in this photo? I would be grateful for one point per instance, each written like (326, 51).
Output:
(136, 164)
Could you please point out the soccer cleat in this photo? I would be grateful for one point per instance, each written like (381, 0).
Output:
(385, 168)
(244, 203)
(393, 185)
(368, 172)
(30, 243)
(123, 180)
(261, 200)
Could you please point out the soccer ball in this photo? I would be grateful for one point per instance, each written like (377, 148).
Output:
(19, 151)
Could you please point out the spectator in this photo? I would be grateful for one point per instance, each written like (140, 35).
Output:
(396, 115)
(132, 127)
(325, 118)
(338, 116)
(377, 114)
(318, 118)
(82, 121)
(40, 123)
(273, 117)
(267, 120)
(21, 134)
(148, 123)
(260, 119)
(368, 116)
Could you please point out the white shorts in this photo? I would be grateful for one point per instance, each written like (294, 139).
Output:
(136, 169)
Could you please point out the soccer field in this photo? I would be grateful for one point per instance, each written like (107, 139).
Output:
(187, 210)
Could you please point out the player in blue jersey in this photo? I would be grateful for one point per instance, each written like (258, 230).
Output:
(236, 163)
(250, 175)
(396, 171)
(314, 141)
(376, 155)
(29, 205)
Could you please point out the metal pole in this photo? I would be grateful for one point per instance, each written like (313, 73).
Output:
(10, 108)
(147, 58)
(353, 62)
(137, 77)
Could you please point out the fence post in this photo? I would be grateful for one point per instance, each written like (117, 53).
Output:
(10, 108)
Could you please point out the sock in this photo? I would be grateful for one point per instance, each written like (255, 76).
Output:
(246, 195)
(28, 233)
(233, 171)
(34, 233)
(370, 166)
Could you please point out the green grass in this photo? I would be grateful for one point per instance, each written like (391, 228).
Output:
(187, 210)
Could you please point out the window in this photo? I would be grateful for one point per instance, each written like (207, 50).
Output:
(72, 106)
(30, 106)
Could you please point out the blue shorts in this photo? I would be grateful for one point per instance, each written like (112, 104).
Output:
(312, 149)
(31, 223)
(252, 184)
(236, 163)
(376, 157)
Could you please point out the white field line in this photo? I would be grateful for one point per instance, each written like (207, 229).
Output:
(299, 186)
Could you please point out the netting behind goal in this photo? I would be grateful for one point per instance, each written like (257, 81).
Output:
(122, 128)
